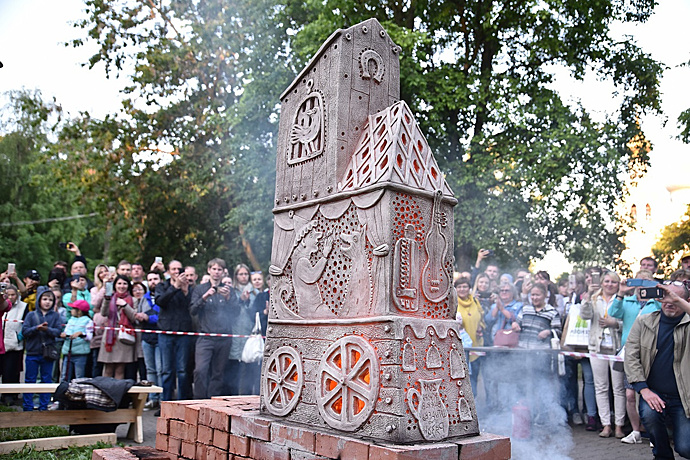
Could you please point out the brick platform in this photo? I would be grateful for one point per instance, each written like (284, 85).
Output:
(229, 428)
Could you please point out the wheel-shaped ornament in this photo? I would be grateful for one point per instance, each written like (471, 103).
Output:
(282, 381)
(348, 383)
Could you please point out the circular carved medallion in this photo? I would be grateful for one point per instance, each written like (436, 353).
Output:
(348, 383)
(282, 381)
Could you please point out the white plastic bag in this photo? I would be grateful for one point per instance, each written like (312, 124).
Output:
(253, 349)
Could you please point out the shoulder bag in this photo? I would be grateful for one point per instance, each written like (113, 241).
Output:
(253, 349)
(126, 333)
(49, 350)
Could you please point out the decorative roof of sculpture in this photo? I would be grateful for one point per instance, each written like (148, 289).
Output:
(393, 149)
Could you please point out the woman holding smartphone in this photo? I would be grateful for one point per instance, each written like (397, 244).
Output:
(605, 338)
(114, 353)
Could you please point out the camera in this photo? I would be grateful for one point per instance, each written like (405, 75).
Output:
(651, 293)
(636, 282)
(65, 245)
(485, 295)
(3, 286)
(596, 278)
(220, 285)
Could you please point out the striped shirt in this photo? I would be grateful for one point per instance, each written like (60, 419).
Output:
(532, 322)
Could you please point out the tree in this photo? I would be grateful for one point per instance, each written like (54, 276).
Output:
(531, 170)
(204, 81)
(36, 214)
(675, 239)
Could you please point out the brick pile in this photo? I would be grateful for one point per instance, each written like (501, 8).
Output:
(230, 428)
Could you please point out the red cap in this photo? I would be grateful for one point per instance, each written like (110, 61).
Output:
(82, 305)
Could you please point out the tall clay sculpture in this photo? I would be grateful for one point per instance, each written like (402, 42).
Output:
(361, 334)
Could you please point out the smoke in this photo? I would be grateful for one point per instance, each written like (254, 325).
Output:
(520, 398)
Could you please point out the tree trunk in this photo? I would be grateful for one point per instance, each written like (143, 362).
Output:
(248, 251)
(106, 239)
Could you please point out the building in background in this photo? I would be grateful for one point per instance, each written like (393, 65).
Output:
(659, 199)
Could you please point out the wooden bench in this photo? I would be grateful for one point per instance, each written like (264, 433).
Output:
(78, 417)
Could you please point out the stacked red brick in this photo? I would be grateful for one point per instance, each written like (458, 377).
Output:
(232, 428)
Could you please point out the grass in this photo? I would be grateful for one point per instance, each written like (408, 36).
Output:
(71, 453)
(33, 432)
(29, 432)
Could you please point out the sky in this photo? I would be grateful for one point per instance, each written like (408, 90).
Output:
(32, 33)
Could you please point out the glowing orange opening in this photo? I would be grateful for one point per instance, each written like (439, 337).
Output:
(338, 362)
(359, 405)
(355, 356)
(290, 394)
(365, 376)
(338, 405)
(294, 377)
(330, 384)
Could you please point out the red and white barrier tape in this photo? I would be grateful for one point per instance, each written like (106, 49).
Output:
(474, 352)
(197, 334)
(158, 331)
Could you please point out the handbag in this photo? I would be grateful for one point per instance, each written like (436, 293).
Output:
(253, 349)
(506, 338)
(559, 360)
(50, 351)
(126, 334)
(619, 365)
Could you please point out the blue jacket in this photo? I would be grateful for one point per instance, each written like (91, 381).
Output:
(34, 339)
(629, 309)
(80, 345)
(152, 323)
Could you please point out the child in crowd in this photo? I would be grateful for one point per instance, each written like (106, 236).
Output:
(40, 329)
(76, 348)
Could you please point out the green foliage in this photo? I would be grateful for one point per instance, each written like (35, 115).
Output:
(531, 171)
(675, 239)
(30, 199)
(684, 124)
(32, 432)
(204, 78)
(71, 453)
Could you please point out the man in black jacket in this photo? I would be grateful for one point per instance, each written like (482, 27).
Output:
(214, 305)
(173, 297)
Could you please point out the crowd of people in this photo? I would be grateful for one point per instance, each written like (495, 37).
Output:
(73, 325)
(628, 337)
(93, 326)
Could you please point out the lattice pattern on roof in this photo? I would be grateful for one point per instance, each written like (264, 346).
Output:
(392, 148)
